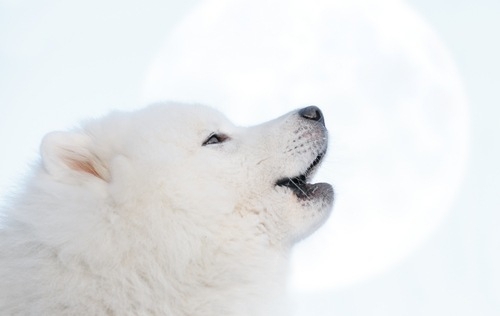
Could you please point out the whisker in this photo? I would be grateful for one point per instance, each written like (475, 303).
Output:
(302, 180)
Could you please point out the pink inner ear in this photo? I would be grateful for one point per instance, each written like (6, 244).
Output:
(83, 166)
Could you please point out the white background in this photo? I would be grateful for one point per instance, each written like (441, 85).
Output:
(62, 61)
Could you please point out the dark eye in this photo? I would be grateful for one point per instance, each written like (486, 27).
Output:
(215, 139)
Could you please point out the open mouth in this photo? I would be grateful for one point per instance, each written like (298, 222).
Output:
(299, 185)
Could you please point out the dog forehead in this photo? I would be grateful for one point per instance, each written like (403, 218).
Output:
(180, 125)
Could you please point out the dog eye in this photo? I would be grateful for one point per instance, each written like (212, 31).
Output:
(215, 139)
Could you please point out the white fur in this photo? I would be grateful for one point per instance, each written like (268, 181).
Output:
(132, 215)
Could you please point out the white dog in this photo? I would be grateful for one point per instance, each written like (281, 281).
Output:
(170, 210)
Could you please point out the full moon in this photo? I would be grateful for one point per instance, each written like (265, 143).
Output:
(391, 95)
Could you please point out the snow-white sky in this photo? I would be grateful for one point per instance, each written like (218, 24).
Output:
(64, 61)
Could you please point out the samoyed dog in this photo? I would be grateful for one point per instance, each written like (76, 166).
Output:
(169, 210)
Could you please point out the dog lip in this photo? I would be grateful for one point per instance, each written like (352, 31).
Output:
(315, 163)
(307, 191)
(299, 185)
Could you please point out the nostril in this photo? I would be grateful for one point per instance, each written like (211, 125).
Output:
(312, 113)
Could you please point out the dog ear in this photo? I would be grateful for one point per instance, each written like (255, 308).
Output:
(71, 153)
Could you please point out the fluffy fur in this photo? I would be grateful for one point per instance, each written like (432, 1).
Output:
(170, 210)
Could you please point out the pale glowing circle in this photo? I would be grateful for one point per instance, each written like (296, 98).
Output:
(392, 99)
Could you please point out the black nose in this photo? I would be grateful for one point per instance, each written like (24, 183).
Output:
(312, 113)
